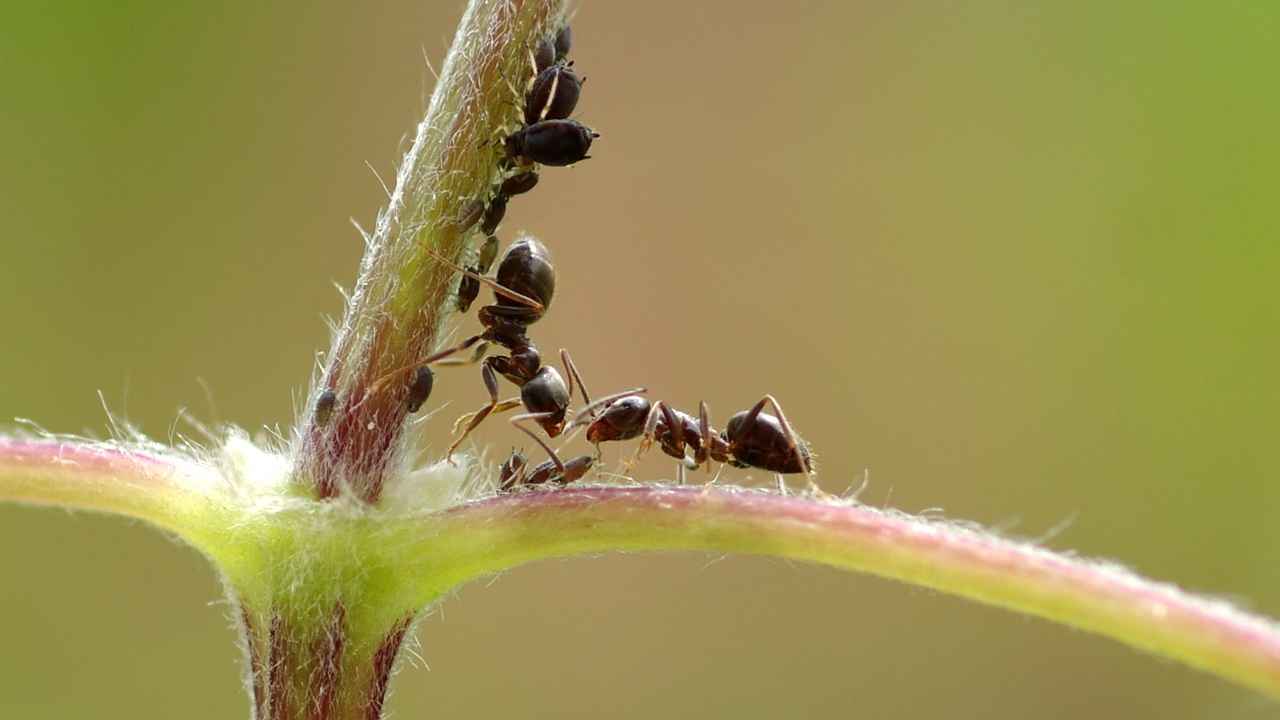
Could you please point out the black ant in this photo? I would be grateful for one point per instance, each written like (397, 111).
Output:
(753, 438)
(523, 289)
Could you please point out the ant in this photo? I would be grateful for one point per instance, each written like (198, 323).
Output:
(753, 438)
(523, 289)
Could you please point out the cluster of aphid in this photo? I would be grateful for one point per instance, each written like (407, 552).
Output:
(523, 287)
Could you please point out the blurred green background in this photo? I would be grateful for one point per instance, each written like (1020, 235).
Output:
(1015, 260)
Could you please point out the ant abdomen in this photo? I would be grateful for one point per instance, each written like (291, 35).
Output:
(765, 444)
(526, 269)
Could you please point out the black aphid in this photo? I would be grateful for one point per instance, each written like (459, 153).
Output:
(420, 388)
(552, 142)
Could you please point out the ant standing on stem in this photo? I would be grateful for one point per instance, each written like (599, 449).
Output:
(753, 438)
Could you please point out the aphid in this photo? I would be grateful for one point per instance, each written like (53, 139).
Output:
(552, 142)
(511, 470)
(752, 438)
(544, 53)
(493, 214)
(324, 407)
(553, 94)
(515, 472)
(420, 388)
(518, 184)
(470, 214)
(469, 287)
(468, 291)
(488, 253)
(564, 41)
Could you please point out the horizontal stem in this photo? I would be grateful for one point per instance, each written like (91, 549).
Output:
(505, 531)
(162, 489)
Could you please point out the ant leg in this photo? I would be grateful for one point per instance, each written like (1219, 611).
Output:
(647, 437)
(572, 371)
(650, 428)
(675, 427)
(703, 456)
(792, 440)
(518, 419)
(679, 473)
(501, 407)
(434, 357)
(476, 357)
(492, 284)
(490, 384)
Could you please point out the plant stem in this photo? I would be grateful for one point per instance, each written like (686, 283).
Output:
(401, 297)
(491, 535)
(162, 488)
(306, 567)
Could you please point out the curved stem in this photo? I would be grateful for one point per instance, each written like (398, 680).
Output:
(505, 531)
(162, 489)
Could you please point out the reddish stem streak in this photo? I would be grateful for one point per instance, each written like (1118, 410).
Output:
(327, 649)
(383, 660)
(277, 672)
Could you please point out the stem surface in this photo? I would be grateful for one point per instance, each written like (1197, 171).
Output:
(1156, 617)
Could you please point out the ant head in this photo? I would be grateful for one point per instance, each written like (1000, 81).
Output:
(621, 420)
(546, 394)
(526, 269)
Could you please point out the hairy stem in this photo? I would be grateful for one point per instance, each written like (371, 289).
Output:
(401, 296)
(491, 535)
(165, 489)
